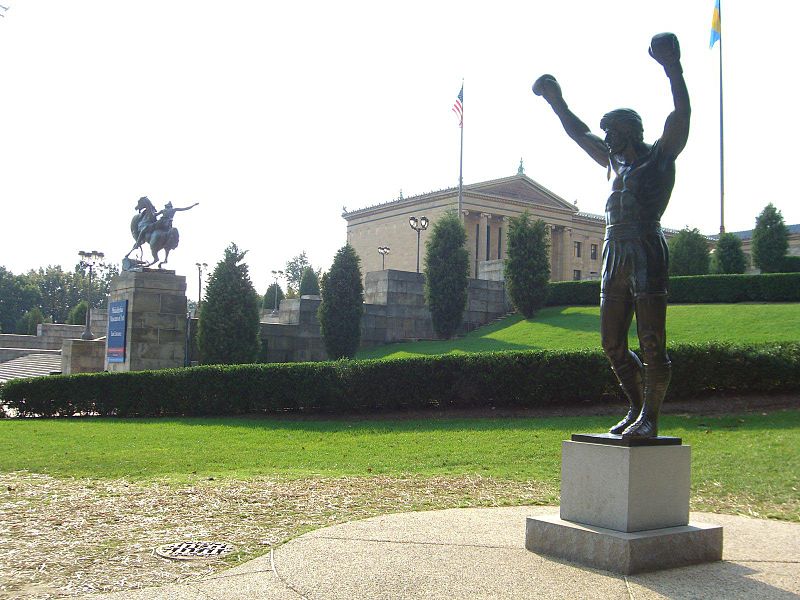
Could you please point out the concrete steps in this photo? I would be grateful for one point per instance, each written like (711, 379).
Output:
(30, 365)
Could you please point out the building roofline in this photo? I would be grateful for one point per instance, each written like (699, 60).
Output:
(473, 189)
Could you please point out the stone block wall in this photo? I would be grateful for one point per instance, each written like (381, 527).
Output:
(82, 356)
(394, 310)
(156, 319)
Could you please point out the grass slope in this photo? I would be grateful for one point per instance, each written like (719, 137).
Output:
(578, 327)
(522, 449)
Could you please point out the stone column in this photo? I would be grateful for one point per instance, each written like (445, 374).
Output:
(567, 272)
(155, 331)
(485, 217)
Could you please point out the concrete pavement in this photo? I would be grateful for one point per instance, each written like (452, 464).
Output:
(479, 553)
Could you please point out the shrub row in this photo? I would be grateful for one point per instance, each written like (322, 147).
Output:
(501, 379)
(695, 289)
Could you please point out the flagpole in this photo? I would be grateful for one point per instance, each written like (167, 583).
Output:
(461, 162)
(721, 142)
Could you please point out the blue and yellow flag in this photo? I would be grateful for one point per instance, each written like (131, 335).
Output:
(716, 25)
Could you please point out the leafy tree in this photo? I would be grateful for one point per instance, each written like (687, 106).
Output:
(77, 316)
(27, 324)
(60, 290)
(446, 273)
(228, 329)
(688, 253)
(17, 295)
(309, 283)
(294, 270)
(728, 257)
(342, 305)
(269, 302)
(527, 266)
(770, 240)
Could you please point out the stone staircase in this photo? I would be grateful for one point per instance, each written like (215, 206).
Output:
(30, 365)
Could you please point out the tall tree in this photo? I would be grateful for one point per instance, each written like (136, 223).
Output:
(309, 283)
(688, 253)
(294, 270)
(228, 329)
(446, 274)
(342, 305)
(17, 295)
(60, 291)
(527, 265)
(28, 323)
(770, 240)
(270, 302)
(728, 256)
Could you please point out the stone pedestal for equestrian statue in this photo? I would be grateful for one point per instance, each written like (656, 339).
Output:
(147, 321)
(624, 507)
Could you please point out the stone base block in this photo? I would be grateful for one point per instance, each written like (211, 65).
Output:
(621, 552)
(625, 488)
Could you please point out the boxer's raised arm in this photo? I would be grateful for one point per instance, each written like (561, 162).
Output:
(665, 49)
(547, 87)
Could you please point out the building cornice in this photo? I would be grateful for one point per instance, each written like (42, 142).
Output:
(472, 190)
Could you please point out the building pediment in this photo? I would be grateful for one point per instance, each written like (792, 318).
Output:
(517, 189)
(521, 188)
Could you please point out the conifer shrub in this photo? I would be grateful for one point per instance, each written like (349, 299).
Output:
(527, 266)
(342, 304)
(228, 328)
(446, 274)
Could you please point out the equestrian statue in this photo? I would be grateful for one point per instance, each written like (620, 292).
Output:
(148, 228)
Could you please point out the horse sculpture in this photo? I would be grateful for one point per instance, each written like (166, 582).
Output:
(146, 227)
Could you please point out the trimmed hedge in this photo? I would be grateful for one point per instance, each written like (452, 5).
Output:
(697, 289)
(500, 379)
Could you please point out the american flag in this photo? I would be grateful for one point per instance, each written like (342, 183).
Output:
(458, 107)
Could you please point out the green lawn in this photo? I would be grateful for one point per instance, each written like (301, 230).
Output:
(577, 327)
(737, 460)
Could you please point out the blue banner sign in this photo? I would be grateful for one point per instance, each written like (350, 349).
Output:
(117, 322)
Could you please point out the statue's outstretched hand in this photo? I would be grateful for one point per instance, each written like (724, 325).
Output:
(665, 49)
(547, 87)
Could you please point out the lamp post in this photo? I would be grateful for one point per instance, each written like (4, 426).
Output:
(383, 251)
(418, 225)
(90, 259)
(201, 268)
(276, 275)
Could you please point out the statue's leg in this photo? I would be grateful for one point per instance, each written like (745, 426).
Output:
(615, 321)
(651, 317)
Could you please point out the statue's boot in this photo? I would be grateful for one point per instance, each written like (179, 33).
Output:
(629, 375)
(656, 381)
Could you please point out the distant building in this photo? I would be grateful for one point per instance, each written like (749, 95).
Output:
(576, 237)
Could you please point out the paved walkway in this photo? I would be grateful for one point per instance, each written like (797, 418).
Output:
(479, 553)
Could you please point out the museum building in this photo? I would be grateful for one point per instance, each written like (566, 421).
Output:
(576, 237)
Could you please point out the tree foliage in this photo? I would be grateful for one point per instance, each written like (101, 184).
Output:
(688, 253)
(17, 296)
(728, 257)
(446, 274)
(270, 302)
(527, 265)
(309, 283)
(27, 324)
(77, 315)
(228, 329)
(770, 240)
(342, 305)
(294, 270)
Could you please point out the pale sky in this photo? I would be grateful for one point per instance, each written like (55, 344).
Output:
(273, 116)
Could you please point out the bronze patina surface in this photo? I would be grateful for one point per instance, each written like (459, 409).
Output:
(635, 256)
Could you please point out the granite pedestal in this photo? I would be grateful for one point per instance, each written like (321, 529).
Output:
(624, 507)
(155, 327)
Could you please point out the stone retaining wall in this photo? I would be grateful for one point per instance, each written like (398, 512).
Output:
(394, 310)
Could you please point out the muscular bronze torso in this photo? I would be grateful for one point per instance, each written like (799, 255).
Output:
(641, 191)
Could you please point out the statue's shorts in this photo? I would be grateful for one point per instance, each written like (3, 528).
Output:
(635, 261)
